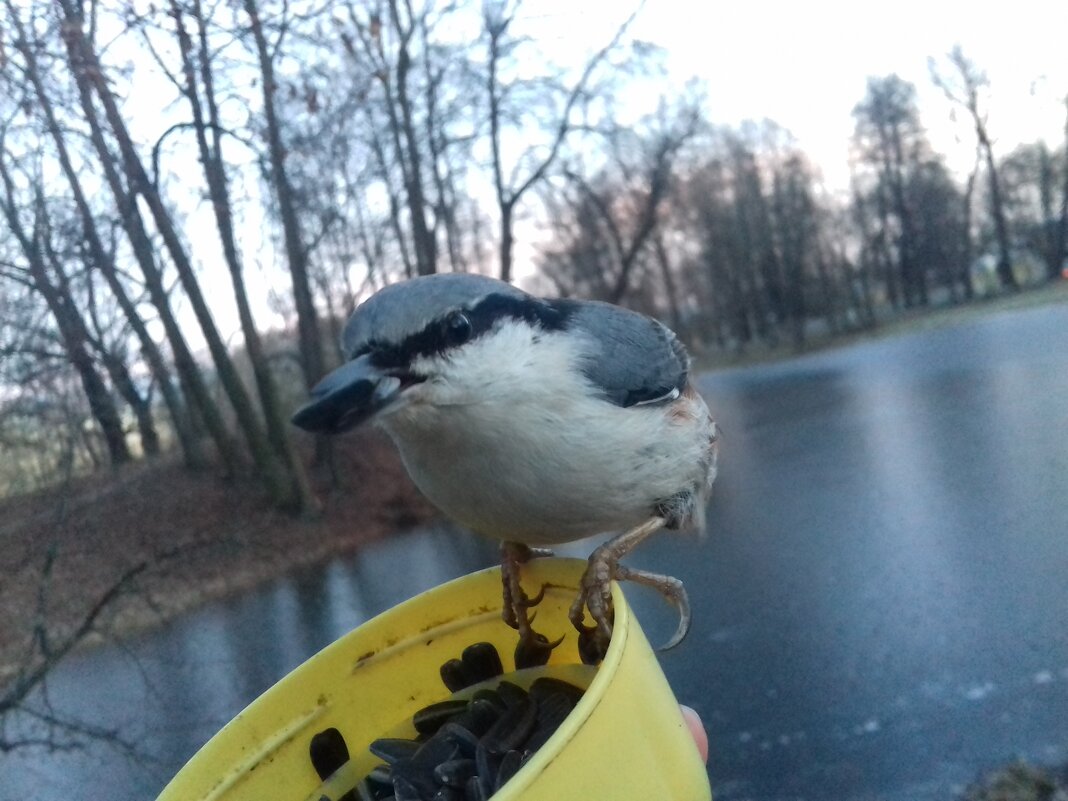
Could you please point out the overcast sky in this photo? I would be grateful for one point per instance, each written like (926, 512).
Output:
(805, 64)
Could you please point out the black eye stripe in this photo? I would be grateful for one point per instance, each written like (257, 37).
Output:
(439, 335)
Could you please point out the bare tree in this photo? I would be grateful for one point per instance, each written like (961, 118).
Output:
(504, 101)
(43, 278)
(795, 234)
(1060, 250)
(1030, 187)
(92, 78)
(198, 86)
(97, 253)
(964, 89)
(311, 349)
(613, 217)
(891, 139)
(417, 105)
(192, 381)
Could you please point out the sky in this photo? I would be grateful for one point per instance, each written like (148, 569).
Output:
(805, 64)
(802, 64)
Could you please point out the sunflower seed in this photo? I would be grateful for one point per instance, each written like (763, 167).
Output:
(512, 728)
(455, 772)
(547, 685)
(511, 694)
(481, 662)
(393, 749)
(328, 752)
(486, 764)
(463, 737)
(473, 790)
(509, 766)
(439, 748)
(455, 675)
(431, 718)
(404, 790)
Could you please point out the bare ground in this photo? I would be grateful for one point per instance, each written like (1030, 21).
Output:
(186, 538)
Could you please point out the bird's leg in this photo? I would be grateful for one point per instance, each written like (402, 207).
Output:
(533, 648)
(516, 602)
(595, 590)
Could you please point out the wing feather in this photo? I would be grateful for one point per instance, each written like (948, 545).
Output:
(633, 359)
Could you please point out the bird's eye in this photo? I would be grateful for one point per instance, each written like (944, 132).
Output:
(457, 328)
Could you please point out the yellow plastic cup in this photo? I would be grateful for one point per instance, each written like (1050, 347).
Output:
(626, 739)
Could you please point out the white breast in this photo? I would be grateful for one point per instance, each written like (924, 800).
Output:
(511, 443)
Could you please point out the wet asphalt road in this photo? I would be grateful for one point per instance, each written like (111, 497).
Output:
(881, 605)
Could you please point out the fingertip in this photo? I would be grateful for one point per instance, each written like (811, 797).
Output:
(697, 729)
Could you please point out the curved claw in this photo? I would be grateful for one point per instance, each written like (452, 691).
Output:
(682, 603)
(534, 651)
(673, 591)
(591, 648)
(537, 599)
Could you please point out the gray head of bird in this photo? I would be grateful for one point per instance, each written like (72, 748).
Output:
(439, 339)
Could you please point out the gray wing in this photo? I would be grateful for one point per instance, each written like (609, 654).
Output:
(634, 358)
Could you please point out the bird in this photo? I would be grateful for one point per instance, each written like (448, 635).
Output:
(533, 421)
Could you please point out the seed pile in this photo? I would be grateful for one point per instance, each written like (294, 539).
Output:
(465, 750)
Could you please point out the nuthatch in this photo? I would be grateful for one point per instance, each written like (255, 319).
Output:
(532, 421)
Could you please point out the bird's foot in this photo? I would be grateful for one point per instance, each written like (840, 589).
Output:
(595, 592)
(533, 648)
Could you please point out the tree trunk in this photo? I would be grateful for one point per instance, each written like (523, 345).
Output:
(101, 404)
(215, 174)
(71, 328)
(187, 439)
(670, 287)
(394, 202)
(139, 405)
(1001, 229)
(203, 407)
(507, 243)
(115, 367)
(425, 246)
(445, 205)
(913, 274)
(966, 234)
(267, 465)
(1061, 248)
(311, 349)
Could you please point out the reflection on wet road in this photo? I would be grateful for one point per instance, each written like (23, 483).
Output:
(881, 604)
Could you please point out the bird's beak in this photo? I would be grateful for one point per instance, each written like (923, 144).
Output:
(350, 395)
